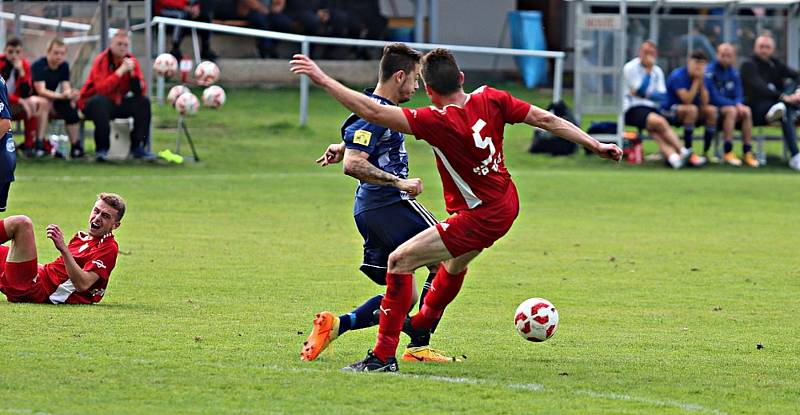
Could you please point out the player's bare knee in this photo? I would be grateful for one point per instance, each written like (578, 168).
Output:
(18, 223)
(398, 262)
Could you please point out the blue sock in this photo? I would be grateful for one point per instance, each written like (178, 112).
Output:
(708, 137)
(688, 130)
(361, 317)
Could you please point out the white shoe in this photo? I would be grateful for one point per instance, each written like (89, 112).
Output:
(776, 112)
(794, 162)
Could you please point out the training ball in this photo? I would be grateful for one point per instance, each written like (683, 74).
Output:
(187, 104)
(536, 319)
(206, 73)
(175, 92)
(214, 96)
(165, 65)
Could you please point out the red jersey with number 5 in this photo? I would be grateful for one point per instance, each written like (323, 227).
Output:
(468, 144)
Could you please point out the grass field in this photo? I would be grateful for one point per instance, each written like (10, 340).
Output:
(665, 281)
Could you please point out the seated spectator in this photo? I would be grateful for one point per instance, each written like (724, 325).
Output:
(645, 90)
(689, 102)
(115, 88)
(728, 97)
(25, 106)
(259, 16)
(367, 18)
(770, 89)
(321, 18)
(50, 73)
(197, 10)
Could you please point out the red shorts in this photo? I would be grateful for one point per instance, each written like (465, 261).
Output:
(479, 228)
(18, 280)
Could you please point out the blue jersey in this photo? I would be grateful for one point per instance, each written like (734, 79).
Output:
(386, 149)
(679, 79)
(8, 151)
(727, 84)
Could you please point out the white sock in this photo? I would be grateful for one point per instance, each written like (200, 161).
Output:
(685, 152)
(674, 160)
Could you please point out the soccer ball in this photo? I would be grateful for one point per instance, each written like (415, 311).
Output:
(187, 104)
(206, 73)
(175, 92)
(214, 96)
(536, 319)
(165, 65)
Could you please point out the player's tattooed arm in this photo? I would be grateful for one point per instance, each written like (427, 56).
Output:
(388, 116)
(357, 165)
(546, 120)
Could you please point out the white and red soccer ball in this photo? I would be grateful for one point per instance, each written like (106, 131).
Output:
(187, 104)
(175, 92)
(165, 65)
(206, 73)
(536, 319)
(213, 96)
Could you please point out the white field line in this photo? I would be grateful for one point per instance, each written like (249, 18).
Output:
(528, 387)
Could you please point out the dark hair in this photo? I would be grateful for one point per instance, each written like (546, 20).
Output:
(398, 57)
(14, 42)
(699, 55)
(440, 71)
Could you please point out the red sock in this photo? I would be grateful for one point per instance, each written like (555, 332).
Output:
(31, 124)
(3, 235)
(443, 290)
(394, 308)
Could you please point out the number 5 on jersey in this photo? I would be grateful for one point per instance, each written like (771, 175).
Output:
(482, 143)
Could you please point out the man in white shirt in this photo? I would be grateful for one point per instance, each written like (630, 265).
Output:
(645, 90)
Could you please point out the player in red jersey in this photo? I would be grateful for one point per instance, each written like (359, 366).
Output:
(466, 133)
(78, 276)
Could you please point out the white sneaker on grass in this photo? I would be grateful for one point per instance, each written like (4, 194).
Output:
(794, 162)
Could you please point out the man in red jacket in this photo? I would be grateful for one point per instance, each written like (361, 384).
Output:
(26, 106)
(116, 89)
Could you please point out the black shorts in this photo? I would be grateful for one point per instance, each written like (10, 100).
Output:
(65, 110)
(387, 227)
(637, 116)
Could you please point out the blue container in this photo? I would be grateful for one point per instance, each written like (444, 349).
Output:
(401, 34)
(527, 33)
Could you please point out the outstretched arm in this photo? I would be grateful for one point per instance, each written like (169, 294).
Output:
(540, 118)
(384, 115)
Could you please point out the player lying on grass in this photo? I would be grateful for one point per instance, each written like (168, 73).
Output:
(385, 210)
(466, 133)
(78, 276)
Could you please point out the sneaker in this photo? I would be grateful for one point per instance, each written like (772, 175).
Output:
(40, 151)
(776, 112)
(794, 162)
(730, 158)
(712, 158)
(371, 363)
(76, 152)
(140, 153)
(428, 354)
(751, 160)
(324, 331)
(697, 161)
(101, 156)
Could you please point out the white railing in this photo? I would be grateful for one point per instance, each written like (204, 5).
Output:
(305, 46)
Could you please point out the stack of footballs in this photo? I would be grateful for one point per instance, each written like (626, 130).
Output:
(180, 96)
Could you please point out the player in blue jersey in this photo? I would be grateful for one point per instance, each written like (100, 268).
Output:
(8, 151)
(385, 210)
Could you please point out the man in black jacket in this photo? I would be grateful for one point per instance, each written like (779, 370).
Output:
(771, 90)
